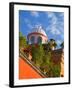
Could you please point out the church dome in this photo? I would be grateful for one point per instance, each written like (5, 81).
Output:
(37, 35)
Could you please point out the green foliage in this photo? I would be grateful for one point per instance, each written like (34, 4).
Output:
(56, 70)
(46, 65)
(62, 44)
(52, 43)
(42, 59)
(20, 34)
(22, 41)
(37, 54)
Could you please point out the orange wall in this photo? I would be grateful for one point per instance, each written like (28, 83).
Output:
(26, 71)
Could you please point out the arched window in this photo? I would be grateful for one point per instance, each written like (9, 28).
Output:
(32, 40)
(39, 40)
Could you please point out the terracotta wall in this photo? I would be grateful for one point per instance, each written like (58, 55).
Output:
(26, 71)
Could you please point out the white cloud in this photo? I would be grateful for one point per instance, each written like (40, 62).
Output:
(54, 20)
(29, 25)
(38, 24)
(55, 31)
(35, 13)
(27, 21)
(59, 42)
(50, 14)
(60, 26)
(56, 26)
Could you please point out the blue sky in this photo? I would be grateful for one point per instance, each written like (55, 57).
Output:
(52, 22)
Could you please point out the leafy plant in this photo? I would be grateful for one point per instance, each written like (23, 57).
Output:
(22, 41)
(56, 70)
(46, 64)
(52, 44)
(62, 45)
(37, 54)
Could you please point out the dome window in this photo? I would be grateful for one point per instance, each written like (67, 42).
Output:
(39, 40)
(32, 40)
